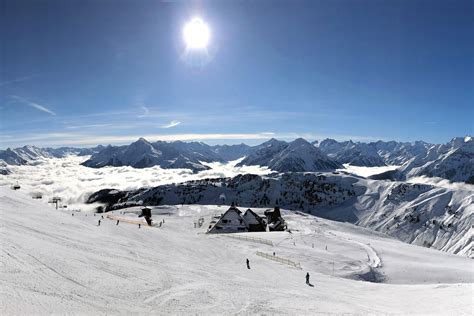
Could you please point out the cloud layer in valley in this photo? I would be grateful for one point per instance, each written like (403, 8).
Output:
(66, 178)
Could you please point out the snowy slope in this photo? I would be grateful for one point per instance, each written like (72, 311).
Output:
(421, 214)
(231, 152)
(23, 155)
(262, 154)
(4, 170)
(300, 156)
(53, 262)
(397, 153)
(425, 215)
(453, 161)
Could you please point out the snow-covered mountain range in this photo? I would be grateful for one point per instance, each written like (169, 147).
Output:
(30, 154)
(296, 156)
(422, 214)
(142, 154)
(348, 152)
(453, 161)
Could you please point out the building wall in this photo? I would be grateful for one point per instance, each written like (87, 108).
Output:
(230, 222)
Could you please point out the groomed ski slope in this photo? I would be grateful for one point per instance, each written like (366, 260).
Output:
(53, 262)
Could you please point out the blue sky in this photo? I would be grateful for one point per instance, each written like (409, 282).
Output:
(87, 72)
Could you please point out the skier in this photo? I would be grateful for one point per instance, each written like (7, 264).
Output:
(139, 225)
(117, 222)
(98, 224)
(274, 253)
(307, 278)
(248, 264)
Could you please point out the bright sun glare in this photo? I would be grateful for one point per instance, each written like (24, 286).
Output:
(196, 34)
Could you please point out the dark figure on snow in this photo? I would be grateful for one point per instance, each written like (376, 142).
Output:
(248, 264)
(117, 222)
(139, 225)
(98, 224)
(307, 277)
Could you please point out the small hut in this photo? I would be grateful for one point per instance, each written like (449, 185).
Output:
(230, 222)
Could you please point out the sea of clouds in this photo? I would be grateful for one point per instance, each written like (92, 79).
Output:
(367, 171)
(73, 183)
(440, 182)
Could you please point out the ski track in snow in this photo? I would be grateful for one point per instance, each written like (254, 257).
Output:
(373, 259)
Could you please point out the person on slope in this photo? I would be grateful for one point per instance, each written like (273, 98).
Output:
(307, 278)
(248, 263)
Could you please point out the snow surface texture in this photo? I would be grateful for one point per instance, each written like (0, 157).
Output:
(53, 262)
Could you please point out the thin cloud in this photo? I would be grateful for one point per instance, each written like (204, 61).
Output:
(145, 113)
(87, 126)
(32, 104)
(4, 83)
(84, 139)
(171, 124)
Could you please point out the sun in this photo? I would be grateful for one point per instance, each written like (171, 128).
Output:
(196, 34)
